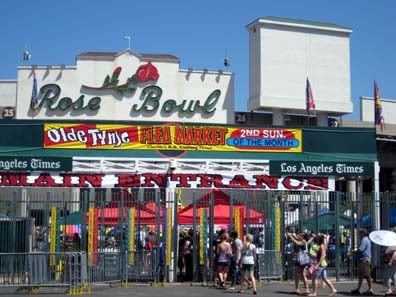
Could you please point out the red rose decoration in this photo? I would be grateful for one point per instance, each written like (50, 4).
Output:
(117, 71)
(147, 72)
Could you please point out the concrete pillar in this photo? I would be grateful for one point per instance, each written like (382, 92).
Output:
(376, 196)
(278, 118)
(359, 186)
(322, 119)
(351, 186)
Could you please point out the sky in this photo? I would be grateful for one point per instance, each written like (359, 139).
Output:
(199, 33)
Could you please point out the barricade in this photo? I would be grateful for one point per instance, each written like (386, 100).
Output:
(106, 267)
(269, 264)
(34, 270)
(144, 266)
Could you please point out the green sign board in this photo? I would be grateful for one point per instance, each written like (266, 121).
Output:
(35, 164)
(321, 168)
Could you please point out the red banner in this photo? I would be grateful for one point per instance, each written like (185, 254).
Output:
(162, 180)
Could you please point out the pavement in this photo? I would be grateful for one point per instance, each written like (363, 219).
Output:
(188, 290)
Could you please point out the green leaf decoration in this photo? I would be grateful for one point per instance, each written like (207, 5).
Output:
(106, 81)
(114, 81)
(116, 73)
(114, 77)
(133, 79)
(131, 90)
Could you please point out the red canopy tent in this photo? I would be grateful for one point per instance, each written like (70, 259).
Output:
(221, 210)
(147, 214)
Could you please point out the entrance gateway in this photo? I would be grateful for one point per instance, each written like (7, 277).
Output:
(119, 212)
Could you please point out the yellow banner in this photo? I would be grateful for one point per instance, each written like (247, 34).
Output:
(237, 222)
(131, 258)
(169, 237)
(172, 137)
(53, 235)
(91, 214)
(277, 232)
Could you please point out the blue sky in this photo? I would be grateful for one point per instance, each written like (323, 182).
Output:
(198, 32)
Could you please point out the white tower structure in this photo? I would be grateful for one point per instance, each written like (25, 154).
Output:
(283, 53)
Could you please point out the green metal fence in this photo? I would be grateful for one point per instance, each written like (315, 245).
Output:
(140, 232)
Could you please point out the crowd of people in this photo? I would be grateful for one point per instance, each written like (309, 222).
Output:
(310, 261)
(234, 260)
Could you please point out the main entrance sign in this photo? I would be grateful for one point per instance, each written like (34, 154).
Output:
(159, 180)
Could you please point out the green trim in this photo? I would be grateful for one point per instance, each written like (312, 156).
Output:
(25, 138)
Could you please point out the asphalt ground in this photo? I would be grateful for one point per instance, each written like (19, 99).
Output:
(188, 290)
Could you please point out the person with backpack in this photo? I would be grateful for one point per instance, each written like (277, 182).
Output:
(248, 260)
(301, 260)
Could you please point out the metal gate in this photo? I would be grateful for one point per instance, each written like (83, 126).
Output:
(137, 234)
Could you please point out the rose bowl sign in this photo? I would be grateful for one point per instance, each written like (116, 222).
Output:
(163, 180)
(134, 88)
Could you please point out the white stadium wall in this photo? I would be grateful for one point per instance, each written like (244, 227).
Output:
(283, 53)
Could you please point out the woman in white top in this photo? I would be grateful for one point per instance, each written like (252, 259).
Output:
(248, 261)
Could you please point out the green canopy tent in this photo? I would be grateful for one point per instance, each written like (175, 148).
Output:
(326, 222)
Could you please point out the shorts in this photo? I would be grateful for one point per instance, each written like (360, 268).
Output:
(364, 269)
(223, 264)
(322, 272)
(247, 267)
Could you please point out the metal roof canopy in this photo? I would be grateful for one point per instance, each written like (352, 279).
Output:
(149, 165)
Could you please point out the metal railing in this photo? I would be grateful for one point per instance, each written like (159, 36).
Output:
(28, 215)
(269, 264)
(31, 270)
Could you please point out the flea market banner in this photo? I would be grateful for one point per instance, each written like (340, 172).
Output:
(171, 137)
(166, 180)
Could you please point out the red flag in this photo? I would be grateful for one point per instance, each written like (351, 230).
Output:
(378, 117)
(309, 99)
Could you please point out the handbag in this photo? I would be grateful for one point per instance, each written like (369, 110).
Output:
(303, 257)
(312, 270)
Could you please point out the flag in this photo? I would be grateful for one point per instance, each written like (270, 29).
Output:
(309, 99)
(378, 117)
(34, 98)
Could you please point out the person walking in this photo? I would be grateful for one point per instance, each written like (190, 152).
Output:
(299, 269)
(188, 247)
(364, 263)
(389, 269)
(248, 261)
(224, 252)
(321, 266)
(236, 245)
